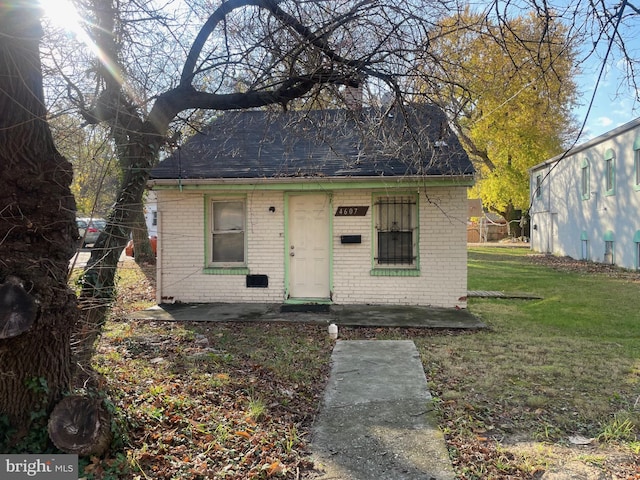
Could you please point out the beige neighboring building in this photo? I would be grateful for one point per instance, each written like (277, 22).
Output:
(327, 206)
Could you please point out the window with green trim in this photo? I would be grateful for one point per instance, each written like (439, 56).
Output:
(636, 163)
(227, 230)
(636, 243)
(584, 179)
(610, 172)
(396, 228)
(538, 186)
(608, 252)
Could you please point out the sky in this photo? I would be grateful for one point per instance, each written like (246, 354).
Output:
(614, 103)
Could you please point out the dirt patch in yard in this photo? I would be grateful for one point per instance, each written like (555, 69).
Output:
(568, 264)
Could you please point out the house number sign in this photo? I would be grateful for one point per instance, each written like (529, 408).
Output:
(352, 211)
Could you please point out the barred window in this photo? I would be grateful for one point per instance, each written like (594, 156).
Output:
(396, 225)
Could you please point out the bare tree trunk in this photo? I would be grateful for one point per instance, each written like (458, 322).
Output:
(37, 231)
(140, 235)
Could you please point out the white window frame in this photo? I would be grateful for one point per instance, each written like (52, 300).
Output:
(213, 232)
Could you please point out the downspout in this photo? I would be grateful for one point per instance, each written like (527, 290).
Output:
(159, 255)
(179, 170)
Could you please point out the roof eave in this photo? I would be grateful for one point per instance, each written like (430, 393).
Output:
(588, 144)
(459, 179)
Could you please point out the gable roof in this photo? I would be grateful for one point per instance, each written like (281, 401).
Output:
(415, 141)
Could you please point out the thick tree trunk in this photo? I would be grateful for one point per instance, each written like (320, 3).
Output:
(37, 229)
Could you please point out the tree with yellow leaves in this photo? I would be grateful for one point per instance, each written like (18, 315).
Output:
(508, 88)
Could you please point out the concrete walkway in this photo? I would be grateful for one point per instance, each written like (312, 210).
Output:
(376, 419)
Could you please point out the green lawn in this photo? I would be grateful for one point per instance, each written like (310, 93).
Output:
(544, 369)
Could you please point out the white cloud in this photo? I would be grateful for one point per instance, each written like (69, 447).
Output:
(603, 121)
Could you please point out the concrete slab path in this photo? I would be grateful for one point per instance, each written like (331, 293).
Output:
(342, 315)
(376, 419)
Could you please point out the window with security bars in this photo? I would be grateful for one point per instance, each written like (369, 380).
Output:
(396, 224)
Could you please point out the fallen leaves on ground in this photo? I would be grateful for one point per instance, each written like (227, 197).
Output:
(568, 264)
(204, 400)
(237, 401)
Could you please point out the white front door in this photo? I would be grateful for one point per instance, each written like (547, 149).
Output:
(308, 246)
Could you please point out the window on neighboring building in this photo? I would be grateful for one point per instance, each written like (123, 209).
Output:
(609, 252)
(610, 172)
(636, 242)
(584, 244)
(538, 186)
(227, 232)
(396, 231)
(154, 218)
(584, 179)
(636, 163)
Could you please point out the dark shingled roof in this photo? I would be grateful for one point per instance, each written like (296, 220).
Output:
(410, 141)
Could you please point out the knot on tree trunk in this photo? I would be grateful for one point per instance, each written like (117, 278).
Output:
(80, 425)
(18, 308)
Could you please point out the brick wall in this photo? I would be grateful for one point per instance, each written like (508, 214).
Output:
(443, 255)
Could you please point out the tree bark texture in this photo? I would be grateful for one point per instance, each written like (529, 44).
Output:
(140, 236)
(80, 425)
(37, 225)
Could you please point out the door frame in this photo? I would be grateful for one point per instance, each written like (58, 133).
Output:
(287, 258)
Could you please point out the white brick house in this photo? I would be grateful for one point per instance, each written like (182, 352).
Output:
(303, 208)
(586, 204)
